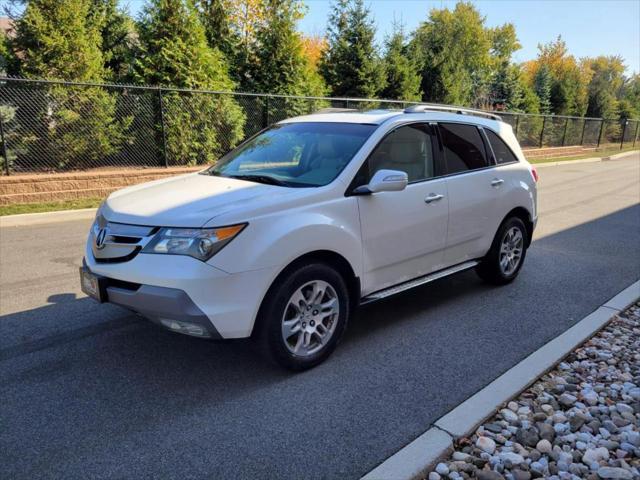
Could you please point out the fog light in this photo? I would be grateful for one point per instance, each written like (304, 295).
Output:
(185, 327)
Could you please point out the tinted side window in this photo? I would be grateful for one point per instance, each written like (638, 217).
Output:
(408, 149)
(500, 150)
(463, 147)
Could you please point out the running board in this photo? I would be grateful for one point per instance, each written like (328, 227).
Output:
(387, 292)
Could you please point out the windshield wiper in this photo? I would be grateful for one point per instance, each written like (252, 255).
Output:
(261, 179)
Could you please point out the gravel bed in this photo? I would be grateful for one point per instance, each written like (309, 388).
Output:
(579, 421)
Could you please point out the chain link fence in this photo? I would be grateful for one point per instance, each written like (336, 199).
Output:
(48, 126)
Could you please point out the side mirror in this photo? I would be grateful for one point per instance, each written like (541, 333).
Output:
(384, 181)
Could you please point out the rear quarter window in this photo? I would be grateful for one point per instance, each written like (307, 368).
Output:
(500, 149)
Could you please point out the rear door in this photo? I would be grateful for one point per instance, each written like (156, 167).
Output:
(403, 233)
(474, 188)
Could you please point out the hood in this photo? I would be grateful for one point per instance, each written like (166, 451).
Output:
(185, 201)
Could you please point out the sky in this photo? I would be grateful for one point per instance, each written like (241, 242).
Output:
(589, 27)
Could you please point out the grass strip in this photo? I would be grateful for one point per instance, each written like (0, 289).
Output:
(49, 206)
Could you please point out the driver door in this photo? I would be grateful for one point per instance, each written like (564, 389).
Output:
(403, 233)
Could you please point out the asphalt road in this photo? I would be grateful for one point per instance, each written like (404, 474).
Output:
(93, 391)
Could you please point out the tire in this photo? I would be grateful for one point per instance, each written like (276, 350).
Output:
(490, 268)
(290, 300)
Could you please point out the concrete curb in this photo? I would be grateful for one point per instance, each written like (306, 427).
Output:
(420, 456)
(26, 219)
(620, 155)
(586, 160)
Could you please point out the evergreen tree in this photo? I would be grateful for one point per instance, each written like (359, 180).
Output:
(8, 112)
(604, 89)
(453, 47)
(280, 63)
(174, 52)
(630, 98)
(118, 39)
(221, 34)
(232, 27)
(542, 87)
(61, 39)
(6, 54)
(401, 69)
(350, 64)
(281, 66)
(505, 90)
(606, 82)
(530, 102)
(511, 92)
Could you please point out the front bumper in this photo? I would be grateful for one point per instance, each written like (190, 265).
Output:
(185, 294)
(168, 307)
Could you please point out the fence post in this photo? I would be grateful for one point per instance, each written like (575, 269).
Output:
(4, 148)
(544, 122)
(564, 134)
(624, 130)
(517, 124)
(162, 127)
(265, 113)
(635, 137)
(600, 134)
(584, 126)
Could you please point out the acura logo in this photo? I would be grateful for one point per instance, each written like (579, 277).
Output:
(102, 234)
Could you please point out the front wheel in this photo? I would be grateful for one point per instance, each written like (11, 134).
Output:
(304, 316)
(502, 263)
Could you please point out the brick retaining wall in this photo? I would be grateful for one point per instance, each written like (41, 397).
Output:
(551, 152)
(68, 186)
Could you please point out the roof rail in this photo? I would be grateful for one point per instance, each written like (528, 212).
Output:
(452, 109)
(335, 110)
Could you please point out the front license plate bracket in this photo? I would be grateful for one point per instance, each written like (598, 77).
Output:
(93, 285)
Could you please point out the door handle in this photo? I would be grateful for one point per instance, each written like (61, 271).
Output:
(433, 197)
(496, 182)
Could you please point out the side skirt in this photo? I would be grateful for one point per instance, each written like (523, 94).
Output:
(416, 282)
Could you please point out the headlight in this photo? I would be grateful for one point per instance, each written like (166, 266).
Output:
(200, 243)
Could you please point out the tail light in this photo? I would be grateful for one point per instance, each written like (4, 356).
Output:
(534, 174)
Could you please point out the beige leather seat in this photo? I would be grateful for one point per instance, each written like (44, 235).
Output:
(406, 149)
(327, 157)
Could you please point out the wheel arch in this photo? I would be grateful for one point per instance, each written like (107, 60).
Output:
(524, 215)
(328, 257)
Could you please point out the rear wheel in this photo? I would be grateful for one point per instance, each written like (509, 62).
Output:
(304, 316)
(502, 263)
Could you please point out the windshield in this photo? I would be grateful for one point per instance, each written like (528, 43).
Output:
(309, 154)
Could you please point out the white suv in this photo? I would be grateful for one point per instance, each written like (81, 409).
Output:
(287, 234)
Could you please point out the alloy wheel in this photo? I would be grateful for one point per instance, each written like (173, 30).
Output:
(310, 318)
(511, 250)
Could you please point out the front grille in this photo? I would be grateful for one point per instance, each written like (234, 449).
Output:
(113, 242)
